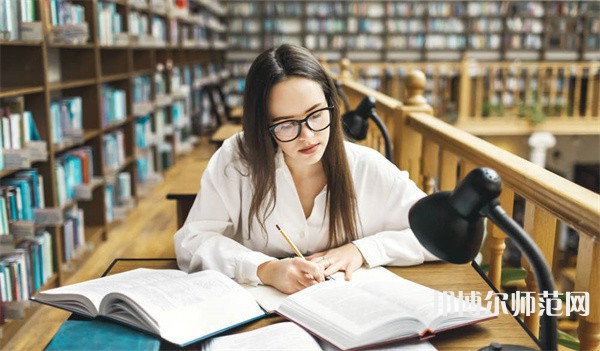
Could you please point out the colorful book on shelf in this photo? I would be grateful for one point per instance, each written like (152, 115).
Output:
(179, 307)
(24, 201)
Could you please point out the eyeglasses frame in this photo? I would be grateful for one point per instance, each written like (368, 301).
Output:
(300, 122)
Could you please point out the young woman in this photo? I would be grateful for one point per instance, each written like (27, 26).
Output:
(342, 204)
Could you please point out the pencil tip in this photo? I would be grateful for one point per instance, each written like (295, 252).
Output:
(277, 225)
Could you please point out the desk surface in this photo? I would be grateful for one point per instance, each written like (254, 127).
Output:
(440, 276)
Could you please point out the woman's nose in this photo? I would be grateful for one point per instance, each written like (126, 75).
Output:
(306, 132)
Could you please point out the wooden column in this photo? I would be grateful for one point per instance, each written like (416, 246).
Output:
(464, 92)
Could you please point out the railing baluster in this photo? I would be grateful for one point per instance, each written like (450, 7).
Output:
(430, 162)
(448, 170)
(587, 279)
(541, 226)
(577, 95)
(496, 239)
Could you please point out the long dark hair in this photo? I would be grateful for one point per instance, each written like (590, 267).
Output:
(257, 147)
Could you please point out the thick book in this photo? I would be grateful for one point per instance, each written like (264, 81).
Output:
(179, 307)
(377, 307)
(100, 335)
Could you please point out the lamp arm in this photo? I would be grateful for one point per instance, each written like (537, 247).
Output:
(548, 333)
(384, 132)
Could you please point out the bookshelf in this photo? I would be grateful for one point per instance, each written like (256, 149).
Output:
(414, 31)
(114, 90)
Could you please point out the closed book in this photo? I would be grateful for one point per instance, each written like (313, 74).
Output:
(100, 335)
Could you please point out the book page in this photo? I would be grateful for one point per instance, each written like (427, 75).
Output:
(280, 336)
(186, 308)
(266, 296)
(348, 315)
(94, 290)
(270, 298)
(413, 345)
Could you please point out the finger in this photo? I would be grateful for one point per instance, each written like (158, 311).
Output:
(315, 256)
(312, 268)
(334, 267)
(306, 280)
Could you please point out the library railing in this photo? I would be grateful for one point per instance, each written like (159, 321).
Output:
(498, 98)
(438, 155)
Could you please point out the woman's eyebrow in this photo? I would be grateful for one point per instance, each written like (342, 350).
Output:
(276, 119)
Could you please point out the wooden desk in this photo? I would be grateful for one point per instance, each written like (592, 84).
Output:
(440, 276)
(185, 188)
(224, 132)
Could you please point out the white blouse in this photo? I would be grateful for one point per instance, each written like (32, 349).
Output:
(215, 233)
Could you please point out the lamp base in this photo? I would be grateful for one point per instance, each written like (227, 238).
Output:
(505, 347)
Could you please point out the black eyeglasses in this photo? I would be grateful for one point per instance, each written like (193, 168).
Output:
(290, 130)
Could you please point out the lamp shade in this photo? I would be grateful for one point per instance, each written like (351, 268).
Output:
(356, 122)
(449, 224)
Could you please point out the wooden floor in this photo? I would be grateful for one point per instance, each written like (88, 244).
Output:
(147, 232)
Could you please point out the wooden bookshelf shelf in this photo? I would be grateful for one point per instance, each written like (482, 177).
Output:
(84, 86)
(114, 77)
(71, 84)
(70, 46)
(6, 92)
(20, 43)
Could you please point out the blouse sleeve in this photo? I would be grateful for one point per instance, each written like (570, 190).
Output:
(395, 244)
(207, 240)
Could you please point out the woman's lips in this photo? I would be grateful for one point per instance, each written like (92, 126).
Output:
(310, 150)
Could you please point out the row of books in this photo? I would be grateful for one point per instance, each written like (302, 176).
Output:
(145, 166)
(142, 89)
(118, 198)
(73, 230)
(138, 23)
(64, 12)
(113, 105)
(144, 137)
(27, 268)
(110, 24)
(66, 117)
(20, 194)
(17, 127)
(113, 147)
(73, 169)
(14, 17)
(417, 9)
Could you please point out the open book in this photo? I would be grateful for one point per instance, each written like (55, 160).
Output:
(179, 307)
(377, 307)
(289, 336)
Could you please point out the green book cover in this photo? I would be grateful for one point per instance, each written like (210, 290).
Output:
(100, 335)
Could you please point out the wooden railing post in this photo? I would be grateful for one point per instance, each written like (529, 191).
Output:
(345, 70)
(410, 144)
(464, 92)
(587, 279)
(541, 226)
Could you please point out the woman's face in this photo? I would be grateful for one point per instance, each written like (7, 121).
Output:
(295, 99)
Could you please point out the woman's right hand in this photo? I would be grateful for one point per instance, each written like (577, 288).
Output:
(290, 275)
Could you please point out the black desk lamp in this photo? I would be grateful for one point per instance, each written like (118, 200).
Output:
(450, 226)
(356, 123)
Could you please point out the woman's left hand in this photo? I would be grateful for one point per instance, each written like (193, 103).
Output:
(345, 258)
